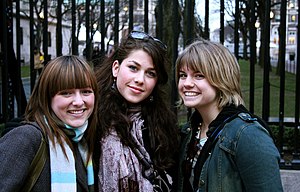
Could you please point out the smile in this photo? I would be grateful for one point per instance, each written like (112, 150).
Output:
(136, 88)
(190, 94)
(76, 111)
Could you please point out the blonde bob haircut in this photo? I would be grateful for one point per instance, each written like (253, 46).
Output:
(218, 65)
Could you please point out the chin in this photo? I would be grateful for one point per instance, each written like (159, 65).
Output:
(190, 105)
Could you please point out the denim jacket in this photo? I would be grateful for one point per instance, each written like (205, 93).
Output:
(244, 158)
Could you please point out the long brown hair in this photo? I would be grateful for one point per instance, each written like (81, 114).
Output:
(64, 72)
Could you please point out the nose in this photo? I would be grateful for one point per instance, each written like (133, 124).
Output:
(188, 82)
(139, 78)
(78, 100)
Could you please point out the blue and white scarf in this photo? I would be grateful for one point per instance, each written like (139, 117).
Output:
(63, 173)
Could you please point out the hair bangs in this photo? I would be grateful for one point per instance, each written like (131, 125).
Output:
(191, 60)
(69, 76)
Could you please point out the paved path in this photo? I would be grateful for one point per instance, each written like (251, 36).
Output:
(290, 180)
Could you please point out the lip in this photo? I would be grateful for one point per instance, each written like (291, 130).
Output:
(136, 89)
(76, 112)
(190, 93)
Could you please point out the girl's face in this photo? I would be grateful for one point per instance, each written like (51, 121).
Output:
(135, 76)
(73, 106)
(195, 90)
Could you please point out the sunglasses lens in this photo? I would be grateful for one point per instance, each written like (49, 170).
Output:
(141, 35)
(138, 35)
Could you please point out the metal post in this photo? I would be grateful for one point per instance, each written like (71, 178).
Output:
(190, 21)
(45, 32)
(87, 30)
(222, 21)
(160, 20)
(116, 28)
(59, 29)
(174, 96)
(252, 55)
(74, 39)
(266, 45)
(130, 15)
(32, 45)
(146, 19)
(18, 57)
(236, 29)
(282, 47)
(3, 62)
(206, 24)
(102, 18)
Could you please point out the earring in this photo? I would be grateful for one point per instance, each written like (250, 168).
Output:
(151, 98)
(114, 86)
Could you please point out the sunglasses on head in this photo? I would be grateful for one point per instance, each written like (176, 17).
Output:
(142, 36)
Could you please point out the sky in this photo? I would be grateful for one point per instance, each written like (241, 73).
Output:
(214, 13)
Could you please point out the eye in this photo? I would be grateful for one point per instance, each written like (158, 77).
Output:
(199, 76)
(65, 93)
(182, 75)
(87, 91)
(132, 67)
(151, 74)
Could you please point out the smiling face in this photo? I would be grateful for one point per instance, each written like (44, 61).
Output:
(195, 90)
(135, 76)
(73, 106)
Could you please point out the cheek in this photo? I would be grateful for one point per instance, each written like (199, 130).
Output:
(92, 102)
(179, 85)
(58, 104)
(151, 84)
(56, 109)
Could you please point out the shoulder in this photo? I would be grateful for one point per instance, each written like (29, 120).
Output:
(24, 136)
(245, 131)
(242, 122)
(18, 148)
(28, 129)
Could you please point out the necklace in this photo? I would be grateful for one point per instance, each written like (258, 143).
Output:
(194, 150)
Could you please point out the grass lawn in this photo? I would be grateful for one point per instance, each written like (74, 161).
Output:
(289, 94)
(25, 71)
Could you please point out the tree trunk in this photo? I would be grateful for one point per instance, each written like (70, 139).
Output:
(170, 35)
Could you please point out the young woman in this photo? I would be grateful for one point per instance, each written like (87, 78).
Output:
(137, 130)
(225, 148)
(60, 111)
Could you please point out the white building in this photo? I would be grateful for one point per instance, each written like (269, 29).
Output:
(66, 25)
(25, 34)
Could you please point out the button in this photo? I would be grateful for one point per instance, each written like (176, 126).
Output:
(201, 182)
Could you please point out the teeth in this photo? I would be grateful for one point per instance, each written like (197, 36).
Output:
(190, 94)
(76, 112)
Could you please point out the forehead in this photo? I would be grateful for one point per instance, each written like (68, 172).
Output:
(189, 67)
(141, 58)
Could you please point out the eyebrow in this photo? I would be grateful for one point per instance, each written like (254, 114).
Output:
(133, 61)
(137, 63)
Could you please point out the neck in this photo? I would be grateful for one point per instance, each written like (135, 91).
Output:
(208, 116)
(203, 129)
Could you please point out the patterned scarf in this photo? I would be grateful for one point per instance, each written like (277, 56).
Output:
(63, 173)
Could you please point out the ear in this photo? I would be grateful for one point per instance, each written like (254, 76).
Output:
(115, 68)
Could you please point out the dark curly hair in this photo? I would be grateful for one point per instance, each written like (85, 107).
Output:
(158, 117)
